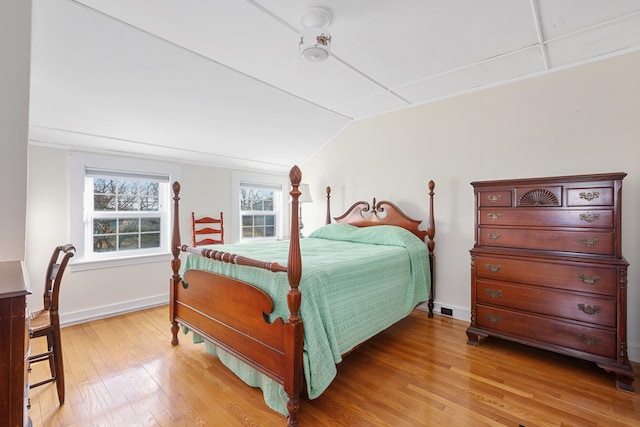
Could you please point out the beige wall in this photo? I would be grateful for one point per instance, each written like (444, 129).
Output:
(15, 48)
(578, 121)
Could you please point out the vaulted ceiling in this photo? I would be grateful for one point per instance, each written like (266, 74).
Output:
(221, 82)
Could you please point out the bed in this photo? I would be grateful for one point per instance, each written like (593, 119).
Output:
(249, 309)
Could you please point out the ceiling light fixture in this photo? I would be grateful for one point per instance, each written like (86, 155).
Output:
(315, 39)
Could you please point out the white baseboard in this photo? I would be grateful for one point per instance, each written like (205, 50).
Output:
(459, 313)
(102, 312)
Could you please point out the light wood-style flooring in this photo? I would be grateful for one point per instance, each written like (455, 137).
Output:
(123, 371)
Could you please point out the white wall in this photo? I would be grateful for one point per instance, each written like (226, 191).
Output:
(578, 121)
(88, 294)
(15, 51)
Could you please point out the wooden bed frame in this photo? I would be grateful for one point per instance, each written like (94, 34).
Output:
(232, 314)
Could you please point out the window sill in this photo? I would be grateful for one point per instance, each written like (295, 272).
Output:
(99, 264)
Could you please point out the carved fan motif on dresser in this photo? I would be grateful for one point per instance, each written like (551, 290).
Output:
(538, 197)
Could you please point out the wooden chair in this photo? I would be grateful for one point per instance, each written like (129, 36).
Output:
(207, 226)
(46, 323)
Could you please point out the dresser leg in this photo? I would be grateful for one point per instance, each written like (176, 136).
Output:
(624, 375)
(475, 335)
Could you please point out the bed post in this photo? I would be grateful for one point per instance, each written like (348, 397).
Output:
(293, 327)
(431, 232)
(328, 220)
(175, 262)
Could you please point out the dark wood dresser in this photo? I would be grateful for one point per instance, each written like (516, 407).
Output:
(14, 344)
(547, 267)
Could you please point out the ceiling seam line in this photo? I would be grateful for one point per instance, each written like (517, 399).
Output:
(380, 85)
(464, 67)
(174, 44)
(538, 25)
(592, 27)
(296, 30)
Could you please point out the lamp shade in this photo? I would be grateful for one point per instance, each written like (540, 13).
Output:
(305, 197)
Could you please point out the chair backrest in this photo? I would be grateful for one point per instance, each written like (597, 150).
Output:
(207, 230)
(57, 266)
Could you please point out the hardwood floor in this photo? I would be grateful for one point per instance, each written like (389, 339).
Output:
(123, 371)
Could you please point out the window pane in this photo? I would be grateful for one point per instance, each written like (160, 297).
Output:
(128, 241)
(104, 243)
(149, 224)
(247, 220)
(104, 226)
(102, 202)
(149, 204)
(247, 232)
(128, 203)
(269, 231)
(258, 220)
(129, 225)
(150, 240)
(270, 220)
(258, 232)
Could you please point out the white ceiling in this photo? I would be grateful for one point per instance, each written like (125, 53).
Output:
(221, 82)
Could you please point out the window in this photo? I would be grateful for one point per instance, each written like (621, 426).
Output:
(259, 211)
(120, 209)
(124, 213)
(259, 207)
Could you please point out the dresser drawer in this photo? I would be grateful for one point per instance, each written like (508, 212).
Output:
(586, 242)
(545, 330)
(523, 217)
(494, 198)
(590, 196)
(591, 278)
(536, 299)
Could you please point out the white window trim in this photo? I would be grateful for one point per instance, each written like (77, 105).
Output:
(282, 181)
(78, 162)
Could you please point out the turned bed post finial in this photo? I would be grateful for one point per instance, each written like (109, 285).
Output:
(328, 219)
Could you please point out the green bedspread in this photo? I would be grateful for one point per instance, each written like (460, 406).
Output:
(355, 283)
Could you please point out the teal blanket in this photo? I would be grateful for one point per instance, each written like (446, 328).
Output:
(355, 283)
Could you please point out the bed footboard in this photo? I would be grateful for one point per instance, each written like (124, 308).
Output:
(234, 315)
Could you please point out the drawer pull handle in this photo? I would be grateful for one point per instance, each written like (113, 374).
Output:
(589, 196)
(493, 268)
(185, 284)
(494, 293)
(494, 216)
(589, 217)
(589, 280)
(493, 319)
(587, 309)
(589, 242)
(494, 236)
(588, 340)
(494, 197)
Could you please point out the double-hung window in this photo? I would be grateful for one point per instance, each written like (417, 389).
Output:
(120, 209)
(260, 207)
(126, 212)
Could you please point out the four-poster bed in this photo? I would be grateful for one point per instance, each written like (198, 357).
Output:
(253, 310)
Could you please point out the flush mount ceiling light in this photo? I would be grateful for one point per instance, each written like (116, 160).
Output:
(315, 39)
